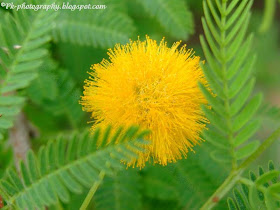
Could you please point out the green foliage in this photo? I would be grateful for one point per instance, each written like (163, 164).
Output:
(264, 45)
(23, 47)
(56, 92)
(121, 191)
(271, 112)
(258, 192)
(101, 28)
(229, 72)
(69, 165)
(45, 87)
(199, 173)
(174, 16)
(44, 59)
(269, 12)
(5, 157)
(105, 28)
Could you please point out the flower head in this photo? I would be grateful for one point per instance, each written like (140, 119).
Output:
(155, 87)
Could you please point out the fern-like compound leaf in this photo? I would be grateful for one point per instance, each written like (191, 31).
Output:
(229, 72)
(99, 28)
(22, 49)
(73, 165)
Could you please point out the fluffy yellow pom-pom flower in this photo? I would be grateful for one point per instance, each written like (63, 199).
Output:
(155, 87)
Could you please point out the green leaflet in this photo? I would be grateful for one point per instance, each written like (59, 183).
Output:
(265, 178)
(48, 177)
(217, 104)
(247, 113)
(221, 156)
(239, 199)
(269, 12)
(231, 204)
(228, 70)
(247, 150)
(247, 132)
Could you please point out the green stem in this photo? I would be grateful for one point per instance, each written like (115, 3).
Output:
(225, 84)
(267, 143)
(222, 190)
(234, 176)
(92, 191)
(248, 182)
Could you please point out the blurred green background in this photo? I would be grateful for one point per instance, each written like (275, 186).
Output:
(82, 38)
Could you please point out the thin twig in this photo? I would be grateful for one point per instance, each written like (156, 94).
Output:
(20, 138)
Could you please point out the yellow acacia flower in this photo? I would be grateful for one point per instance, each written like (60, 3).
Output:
(155, 87)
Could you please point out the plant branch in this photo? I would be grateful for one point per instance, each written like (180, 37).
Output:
(267, 143)
(234, 176)
(19, 138)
